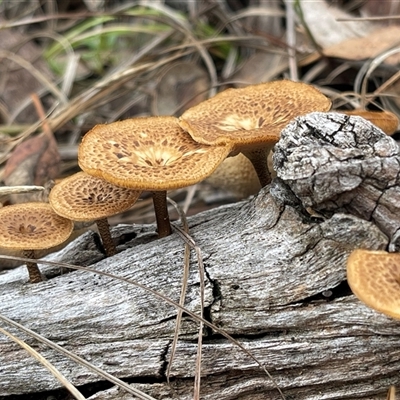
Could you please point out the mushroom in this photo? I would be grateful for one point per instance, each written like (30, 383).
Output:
(374, 277)
(391, 395)
(250, 119)
(385, 120)
(32, 226)
(236, 175)
(149, 153)
(82, 197)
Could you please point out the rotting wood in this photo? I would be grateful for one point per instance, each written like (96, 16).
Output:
(270, 269)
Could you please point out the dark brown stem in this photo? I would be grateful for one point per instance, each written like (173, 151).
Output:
(33, 270)
(259, 159)
(161, 210)
(105, 234)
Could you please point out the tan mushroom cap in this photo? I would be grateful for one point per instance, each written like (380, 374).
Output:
(374, 277)
(32, 226)
(237, 176)
(82, 197)
(148, 153)
(385, 120)
(255, 114)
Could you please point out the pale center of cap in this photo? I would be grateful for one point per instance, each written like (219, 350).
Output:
(235, 122)
(154, 155)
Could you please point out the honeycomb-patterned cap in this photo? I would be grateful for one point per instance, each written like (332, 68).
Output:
(148, 153)
(253, 115)
(374, 277)
(32, 226)
(385, 120)
(82, 197)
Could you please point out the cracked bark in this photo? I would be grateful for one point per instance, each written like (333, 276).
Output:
(339, 163)
(270, 266)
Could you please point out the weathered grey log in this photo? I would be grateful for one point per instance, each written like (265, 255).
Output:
(335, 162)
(275, 279)
(263, 262)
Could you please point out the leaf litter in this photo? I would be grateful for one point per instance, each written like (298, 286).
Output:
(99, 63)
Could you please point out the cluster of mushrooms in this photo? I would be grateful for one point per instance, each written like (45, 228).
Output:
(160, 153)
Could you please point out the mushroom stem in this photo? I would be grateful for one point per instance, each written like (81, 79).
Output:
(162, 216)
(108, 243)
(259, 159)
(33, 270)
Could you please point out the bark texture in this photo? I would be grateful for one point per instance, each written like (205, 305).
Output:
(275, 280)
(334, 162)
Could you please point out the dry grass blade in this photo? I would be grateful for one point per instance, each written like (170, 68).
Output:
(256, 12)
(36, 74)
(43, 18)
(160, 296)
(381, 18)
(182, 297)
(189, 242)
(392, 80)
(78, 359)
(97, 93)
(375, 63)
(291, 40)
(54, 371)
(7, 190)
(183, 26)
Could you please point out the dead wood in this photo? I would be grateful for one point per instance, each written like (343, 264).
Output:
(275, 281)
(334, 163)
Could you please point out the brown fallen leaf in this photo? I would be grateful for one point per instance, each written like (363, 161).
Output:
(369, 46)
(36, 161)
(33, 162)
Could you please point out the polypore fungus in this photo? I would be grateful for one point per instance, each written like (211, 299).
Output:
(250, 119)
(32, 226)
(149, 153)
(82, 197)
(374, 277)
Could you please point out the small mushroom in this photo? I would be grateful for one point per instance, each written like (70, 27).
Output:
(149, 153)
(250, 119)
(385, 120)
(236, 175)
(82, 197)
(32, 226)
(374, 277)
